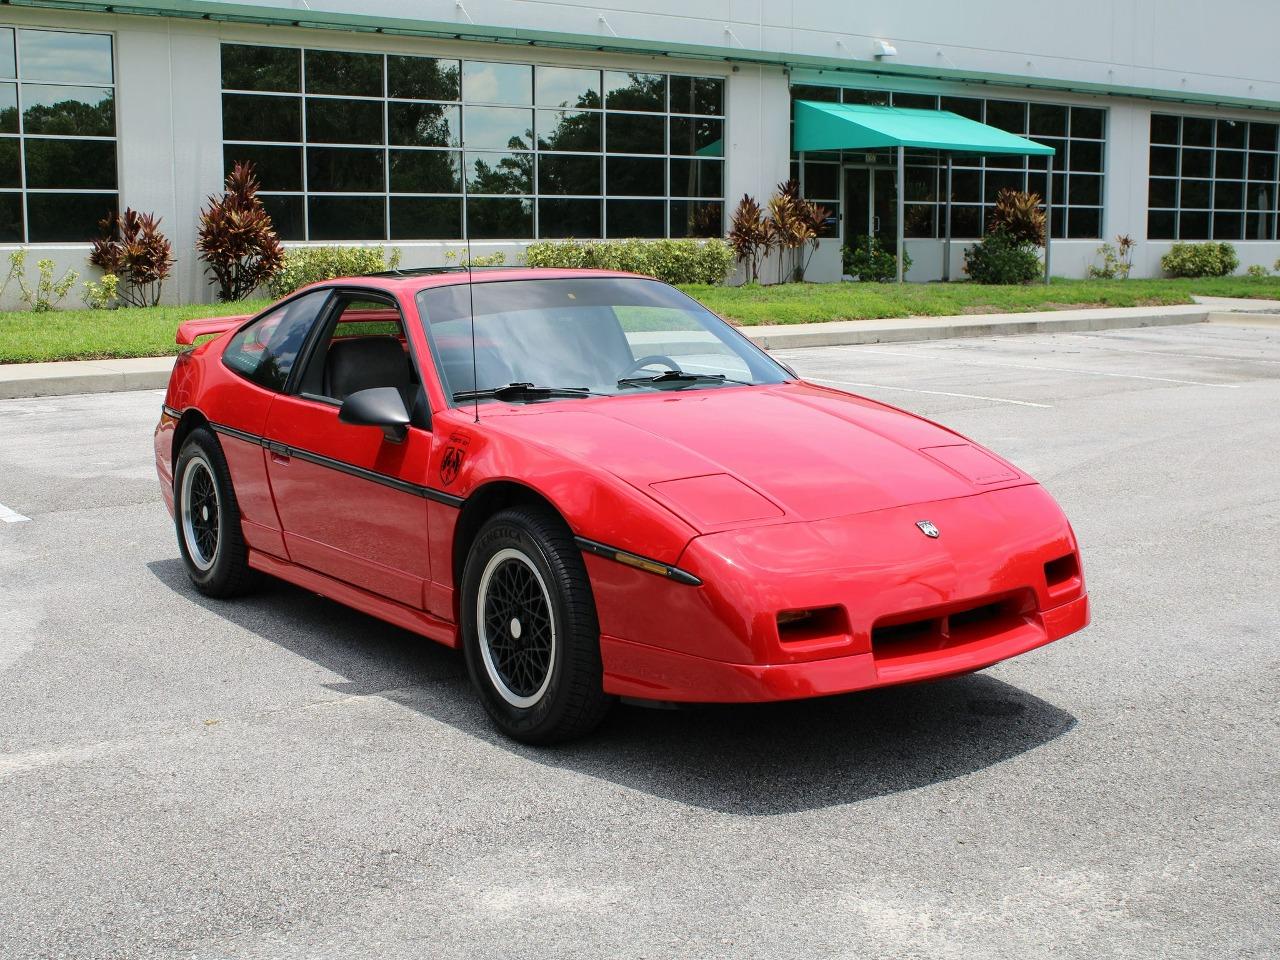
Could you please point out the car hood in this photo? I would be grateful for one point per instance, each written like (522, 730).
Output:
(729, 456)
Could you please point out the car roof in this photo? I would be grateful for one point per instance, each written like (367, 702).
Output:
(411, 281)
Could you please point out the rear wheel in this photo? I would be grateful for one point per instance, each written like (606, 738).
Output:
(530, 634)
(208, 519)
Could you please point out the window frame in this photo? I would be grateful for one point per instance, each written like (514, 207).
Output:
(1209, 212)
(315, 348)
(23, 190)
(464, 156)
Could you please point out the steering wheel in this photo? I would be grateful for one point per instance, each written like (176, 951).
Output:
(646, 361)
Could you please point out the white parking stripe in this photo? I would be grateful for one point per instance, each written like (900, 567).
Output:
(1187, 356)
(11, 516)
(1028, 366)
(936, 393)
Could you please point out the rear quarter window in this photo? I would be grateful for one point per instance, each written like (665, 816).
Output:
(266, 350)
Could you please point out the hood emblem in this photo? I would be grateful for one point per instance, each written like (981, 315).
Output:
(928, 529)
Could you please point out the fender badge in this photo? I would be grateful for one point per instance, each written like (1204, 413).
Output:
(450, 464)
(928, 529)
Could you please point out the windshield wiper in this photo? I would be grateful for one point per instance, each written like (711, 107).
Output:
(678, 376)
(523, 391)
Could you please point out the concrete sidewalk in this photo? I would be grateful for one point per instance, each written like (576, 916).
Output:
(902, 329)
(82, 376)
(147, 373)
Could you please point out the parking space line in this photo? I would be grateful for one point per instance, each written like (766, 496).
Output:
(11, 516)
(1184, 356)
(1026, 366)
(936, 393)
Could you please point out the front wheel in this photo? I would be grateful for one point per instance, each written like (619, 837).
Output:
(529, 628)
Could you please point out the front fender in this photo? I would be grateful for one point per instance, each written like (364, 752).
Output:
(595, 503)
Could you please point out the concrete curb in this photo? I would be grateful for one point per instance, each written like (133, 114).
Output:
(849, 333)
(22, 380)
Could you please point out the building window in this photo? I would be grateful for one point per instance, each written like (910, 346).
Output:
(363, 146)
(1078, 134)
(1211, 179)
(57, 135)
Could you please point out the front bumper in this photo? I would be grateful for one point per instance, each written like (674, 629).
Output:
(652, 673)
(1002, 578)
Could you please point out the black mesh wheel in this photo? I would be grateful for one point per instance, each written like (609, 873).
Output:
(529, 628)
(207, 518)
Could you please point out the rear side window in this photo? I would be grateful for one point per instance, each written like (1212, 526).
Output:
(265, 351)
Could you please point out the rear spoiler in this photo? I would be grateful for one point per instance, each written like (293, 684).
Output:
(190, 329)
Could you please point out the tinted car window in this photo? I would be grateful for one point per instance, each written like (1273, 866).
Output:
(265, 350)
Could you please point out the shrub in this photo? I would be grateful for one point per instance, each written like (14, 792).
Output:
(236, 238)
(1200, 260)
(1019, 215)
(304, 265)
(48, 292)
(750, 236)
(868, 260)
(103, 294)
(999, 257)
(495, 259)
(672, 261)
(794, 225)
(133, 250)
(1117, 260)
(1257, 270)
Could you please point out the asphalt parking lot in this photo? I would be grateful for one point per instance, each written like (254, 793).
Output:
(280, 777)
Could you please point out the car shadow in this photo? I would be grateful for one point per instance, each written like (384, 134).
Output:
(758, 759)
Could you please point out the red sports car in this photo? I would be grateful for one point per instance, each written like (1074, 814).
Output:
(598, 489)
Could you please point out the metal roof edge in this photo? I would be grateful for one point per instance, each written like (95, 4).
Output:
(837, 73)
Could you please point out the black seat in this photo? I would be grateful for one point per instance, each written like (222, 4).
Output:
(364, 362)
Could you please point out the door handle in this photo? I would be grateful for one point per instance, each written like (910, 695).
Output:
(279, 452)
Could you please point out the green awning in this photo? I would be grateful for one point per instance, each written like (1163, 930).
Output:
(855, 126)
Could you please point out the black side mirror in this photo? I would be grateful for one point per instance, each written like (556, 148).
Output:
(377, 407)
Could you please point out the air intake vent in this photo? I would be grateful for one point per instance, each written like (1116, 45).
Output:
(905, 636)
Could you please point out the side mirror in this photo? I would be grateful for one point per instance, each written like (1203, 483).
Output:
(377, 407)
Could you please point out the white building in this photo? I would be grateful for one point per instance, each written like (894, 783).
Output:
(637, 119)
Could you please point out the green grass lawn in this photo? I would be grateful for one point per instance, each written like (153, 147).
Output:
(95, 334)
(26, 337)
(812, 303)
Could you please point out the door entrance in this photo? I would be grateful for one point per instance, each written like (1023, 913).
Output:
(871, 205)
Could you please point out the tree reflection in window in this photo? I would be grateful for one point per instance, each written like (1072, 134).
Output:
(556, 150)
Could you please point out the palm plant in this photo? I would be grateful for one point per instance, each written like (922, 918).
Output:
(750, 236)
(1020, 215)
(795, 225)
(236, 237)
(132, 248)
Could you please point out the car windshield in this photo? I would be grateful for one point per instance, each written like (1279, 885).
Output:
(556, 339)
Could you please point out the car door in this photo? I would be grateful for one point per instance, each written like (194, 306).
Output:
(351, 500)
(262, 355)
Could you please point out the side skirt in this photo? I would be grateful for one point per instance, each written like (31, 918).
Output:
(417, 621)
